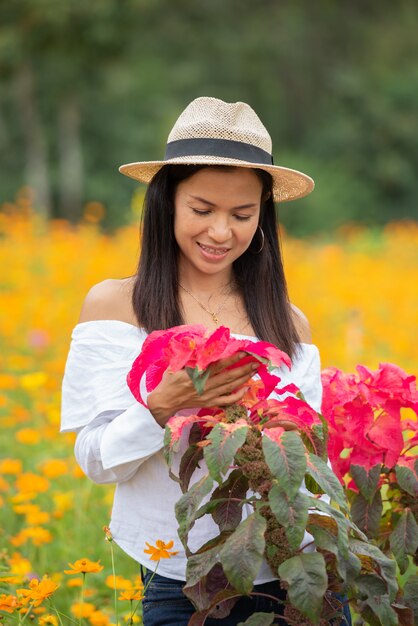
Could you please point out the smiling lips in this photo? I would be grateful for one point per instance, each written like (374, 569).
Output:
(209, 251)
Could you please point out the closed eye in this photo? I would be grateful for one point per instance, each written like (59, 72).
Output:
(200, 211)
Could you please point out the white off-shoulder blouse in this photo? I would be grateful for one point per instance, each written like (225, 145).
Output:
(118, 440)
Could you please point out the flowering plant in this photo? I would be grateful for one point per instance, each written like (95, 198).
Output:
(251, 459)
(373, 450)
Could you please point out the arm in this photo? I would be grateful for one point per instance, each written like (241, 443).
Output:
(115, 433)
(113, 446)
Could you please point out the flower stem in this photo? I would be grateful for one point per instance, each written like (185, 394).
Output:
(82, 599)
(114, 583)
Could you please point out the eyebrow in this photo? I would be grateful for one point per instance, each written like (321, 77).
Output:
(242, 206)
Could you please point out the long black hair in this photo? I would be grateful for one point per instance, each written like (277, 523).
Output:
(258, 275)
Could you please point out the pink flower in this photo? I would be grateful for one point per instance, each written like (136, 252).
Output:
(364, 415)
(188, 346)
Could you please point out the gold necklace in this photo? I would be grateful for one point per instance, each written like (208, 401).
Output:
(213, 314)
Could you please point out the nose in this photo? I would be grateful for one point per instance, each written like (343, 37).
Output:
(219, 229)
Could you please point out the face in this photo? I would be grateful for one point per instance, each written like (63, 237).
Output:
(216, 216)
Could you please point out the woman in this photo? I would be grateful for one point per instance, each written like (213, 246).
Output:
(209, 254)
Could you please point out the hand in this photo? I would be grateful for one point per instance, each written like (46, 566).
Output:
(223, 388)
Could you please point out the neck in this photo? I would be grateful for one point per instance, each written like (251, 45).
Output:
(197, 282)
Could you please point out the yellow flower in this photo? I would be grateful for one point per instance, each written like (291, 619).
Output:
(84, 609)
(54, 468)
(39, 590)
(33, 381)
(48, 620)
(132, 619)
(97, 618)
(28, 436)
(74, 582)
(131, 594)
(10, 466)
(19, 565)
(8, 603)
(160, 551)
(84, 566)
(36, 534)
(118, 582)
(11, 580)
(28, 482)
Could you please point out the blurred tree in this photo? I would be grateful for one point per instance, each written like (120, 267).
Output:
(85, 87)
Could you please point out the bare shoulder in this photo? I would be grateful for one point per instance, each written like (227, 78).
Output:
(109, 300)
(302, 325)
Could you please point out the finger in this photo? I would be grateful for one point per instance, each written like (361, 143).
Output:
(231, 386)
(226, 377)
(287, 425)
(224, 363)
(228, 399)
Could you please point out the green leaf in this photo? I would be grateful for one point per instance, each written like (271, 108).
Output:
(340, 519)
(198, 378)
(228, 512)
(259, 619)
(411, 594)
(224, 444)
(286, 460)
(371, 585)
(366, 514)
(404, 539)
(291, 513)
(198, 565)
(380, 605)
(307, 578)
(242, 553)
(191, 458)
(366, 480)
(408, 479)
(324, 531)
(386, 566)
(188, 504)
(327, 480)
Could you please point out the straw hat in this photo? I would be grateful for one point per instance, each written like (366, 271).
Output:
(221, 133)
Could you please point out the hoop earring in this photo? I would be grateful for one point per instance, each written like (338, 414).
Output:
(262, 240)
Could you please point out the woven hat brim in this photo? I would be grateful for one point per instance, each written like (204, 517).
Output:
(288, 184)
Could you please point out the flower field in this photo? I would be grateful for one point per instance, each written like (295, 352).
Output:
(357, 289)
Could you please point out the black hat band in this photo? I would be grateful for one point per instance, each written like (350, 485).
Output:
(218, 148)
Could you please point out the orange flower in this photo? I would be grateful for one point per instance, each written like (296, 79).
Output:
(117, 582)
(160, 551)
(131, 594)
(8, 603)
(84, 609)
(39, 590)
(84, 566)
(108, 534)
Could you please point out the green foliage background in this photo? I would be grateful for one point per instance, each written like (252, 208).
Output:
(86, 86)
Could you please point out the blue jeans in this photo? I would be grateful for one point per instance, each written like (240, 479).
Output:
(165, 604)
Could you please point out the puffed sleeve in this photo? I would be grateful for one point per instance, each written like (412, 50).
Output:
(115, 433)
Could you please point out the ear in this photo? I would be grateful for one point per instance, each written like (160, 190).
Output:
(265, 196)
